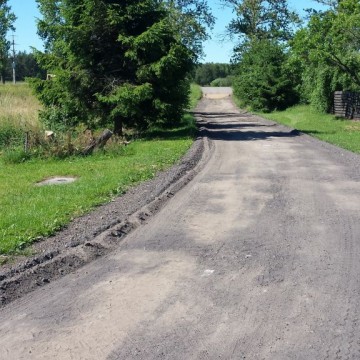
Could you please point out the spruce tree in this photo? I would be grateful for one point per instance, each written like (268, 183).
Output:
(262, 28)
(111, 60)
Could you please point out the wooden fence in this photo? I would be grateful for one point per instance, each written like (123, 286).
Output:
(347, 104)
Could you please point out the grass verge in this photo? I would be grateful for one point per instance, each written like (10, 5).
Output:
(326, 127)
(28, 211)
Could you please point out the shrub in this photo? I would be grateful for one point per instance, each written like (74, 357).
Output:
(261, 81)
(219, 82)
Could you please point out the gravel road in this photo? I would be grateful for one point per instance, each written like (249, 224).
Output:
(256, 258)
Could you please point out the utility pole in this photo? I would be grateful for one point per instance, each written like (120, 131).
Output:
(13, 59)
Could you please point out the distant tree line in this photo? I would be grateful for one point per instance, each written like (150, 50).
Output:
(26, 67)
(7, 19)
(215, 74)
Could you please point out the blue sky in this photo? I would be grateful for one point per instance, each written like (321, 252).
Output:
(217, 49)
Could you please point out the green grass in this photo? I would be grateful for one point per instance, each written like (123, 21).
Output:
(195, 95)
(28, 211)
(326, 127)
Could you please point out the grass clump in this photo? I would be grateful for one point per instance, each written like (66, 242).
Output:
(326, 127)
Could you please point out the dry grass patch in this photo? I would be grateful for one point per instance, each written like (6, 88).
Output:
(353, 127)
(18, 105)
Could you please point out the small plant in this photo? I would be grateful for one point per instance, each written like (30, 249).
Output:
(10, 135)
(15, 156)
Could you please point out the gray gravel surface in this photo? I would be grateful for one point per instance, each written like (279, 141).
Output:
(256, 258)
(98, 232)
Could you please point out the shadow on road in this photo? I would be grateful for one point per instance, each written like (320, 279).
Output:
(237, 131)
(217, 115)
(230, 125)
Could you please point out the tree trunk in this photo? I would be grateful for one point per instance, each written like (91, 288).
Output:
(118, 126)
(98, 143)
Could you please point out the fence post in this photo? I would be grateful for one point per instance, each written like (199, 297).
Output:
(26, 142)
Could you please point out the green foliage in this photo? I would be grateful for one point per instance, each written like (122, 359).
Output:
(26, 66)
(7, 19)
(10, 135)
(208, 72)
(327, 52)
(15, 155)
(195, 95)
(191, 19)
(262, 82)
(219, 82)
(262, 29)
(259, 19)
(114, 61)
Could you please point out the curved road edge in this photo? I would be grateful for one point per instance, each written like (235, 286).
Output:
(66, 251)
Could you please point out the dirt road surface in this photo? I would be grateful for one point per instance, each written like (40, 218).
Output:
(257, 258)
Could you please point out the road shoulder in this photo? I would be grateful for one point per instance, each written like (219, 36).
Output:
(99, 232)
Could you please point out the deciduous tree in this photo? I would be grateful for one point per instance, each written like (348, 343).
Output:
(261, 19)
(192, 19)
(327, 50)
(7, 19)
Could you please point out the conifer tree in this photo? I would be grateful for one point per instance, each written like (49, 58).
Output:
(111, 60)
(262, 29)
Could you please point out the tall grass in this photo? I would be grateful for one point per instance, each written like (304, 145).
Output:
(18, 105)
(18, 113)
(195, 95)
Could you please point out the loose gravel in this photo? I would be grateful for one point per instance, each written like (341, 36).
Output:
(98, 232)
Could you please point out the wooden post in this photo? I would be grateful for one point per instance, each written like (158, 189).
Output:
(98, 143)
(26, 142)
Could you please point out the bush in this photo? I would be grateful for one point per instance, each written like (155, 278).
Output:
(15, 156)
(261, 81)
(10, 135)
(219, 82)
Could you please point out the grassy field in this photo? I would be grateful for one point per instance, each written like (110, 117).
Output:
(19, 113)
(28, 211)
(326, 127)
(18, 106)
